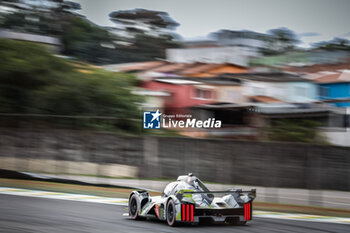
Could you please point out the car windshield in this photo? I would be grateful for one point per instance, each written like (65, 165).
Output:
(192, 183)
(200, 186)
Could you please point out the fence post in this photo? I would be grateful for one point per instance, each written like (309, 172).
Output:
(151, 159)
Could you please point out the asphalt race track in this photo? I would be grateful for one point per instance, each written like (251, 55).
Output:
(31, 214)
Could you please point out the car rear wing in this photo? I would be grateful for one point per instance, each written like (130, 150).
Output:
(253, 191)
(235, 192)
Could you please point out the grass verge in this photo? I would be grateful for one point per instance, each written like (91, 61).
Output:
(68, 188)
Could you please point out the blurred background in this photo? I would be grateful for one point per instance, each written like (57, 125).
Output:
(73, 91)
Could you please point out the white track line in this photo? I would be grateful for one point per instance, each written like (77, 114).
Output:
(63, 196)
(300, 217)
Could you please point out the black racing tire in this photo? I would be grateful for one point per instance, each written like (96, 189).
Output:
(134, 208)
(171, 213)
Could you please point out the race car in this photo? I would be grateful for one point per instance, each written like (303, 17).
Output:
(188, 200)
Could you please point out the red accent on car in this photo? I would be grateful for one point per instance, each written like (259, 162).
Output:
(156, 209)
(247, 211)
(192, 213)
(183, 212)
(248, 207)
(188, 213)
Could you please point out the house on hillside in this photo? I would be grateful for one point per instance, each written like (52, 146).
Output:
(216, 55)
(276, 87)
(334, 89)
(154, 69)
(225, 46)
(265, 97)
(334, 86)
(133, 67)
(183, 93)
(186, 92)
(152, 99)
(250, 120)
(246, 103)
(210, 70)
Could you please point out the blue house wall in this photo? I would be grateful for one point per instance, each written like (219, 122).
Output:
(335, 91)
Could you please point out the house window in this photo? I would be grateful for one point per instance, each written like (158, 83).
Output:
(202, 94)
(346, 122)
(323, 91)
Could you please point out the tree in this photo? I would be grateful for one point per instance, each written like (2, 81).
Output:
(80, 38)
(34, 81)
(25, 67)
(42, 17)
(142, 20)
(86, 41)
(335, 44)
(148, 32)
(283, 39)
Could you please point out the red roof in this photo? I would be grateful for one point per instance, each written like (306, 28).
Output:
(140, 66)
(182, 69)
(265, 99)
(320, 67)
(170, 67)
(198, 68)
(335, 77)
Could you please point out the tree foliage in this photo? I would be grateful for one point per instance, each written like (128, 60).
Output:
(284, 35)
(280, 40)
(149, 33)
(85, 41)
(155, 20)
(335, 44)
(293, 130)
(34, 81)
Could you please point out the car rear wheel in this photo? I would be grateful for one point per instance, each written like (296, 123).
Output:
(171, 213)
(134, 208)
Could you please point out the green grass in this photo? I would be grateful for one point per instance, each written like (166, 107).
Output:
(68, 188)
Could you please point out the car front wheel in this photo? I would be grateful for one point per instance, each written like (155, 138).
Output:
(133, 208)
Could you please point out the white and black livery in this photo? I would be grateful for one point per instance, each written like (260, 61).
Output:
(188, 200)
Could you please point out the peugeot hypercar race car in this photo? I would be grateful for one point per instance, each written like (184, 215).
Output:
(188, 200)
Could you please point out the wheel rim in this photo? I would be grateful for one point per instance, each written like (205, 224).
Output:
(170, 213)
(133, 206)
